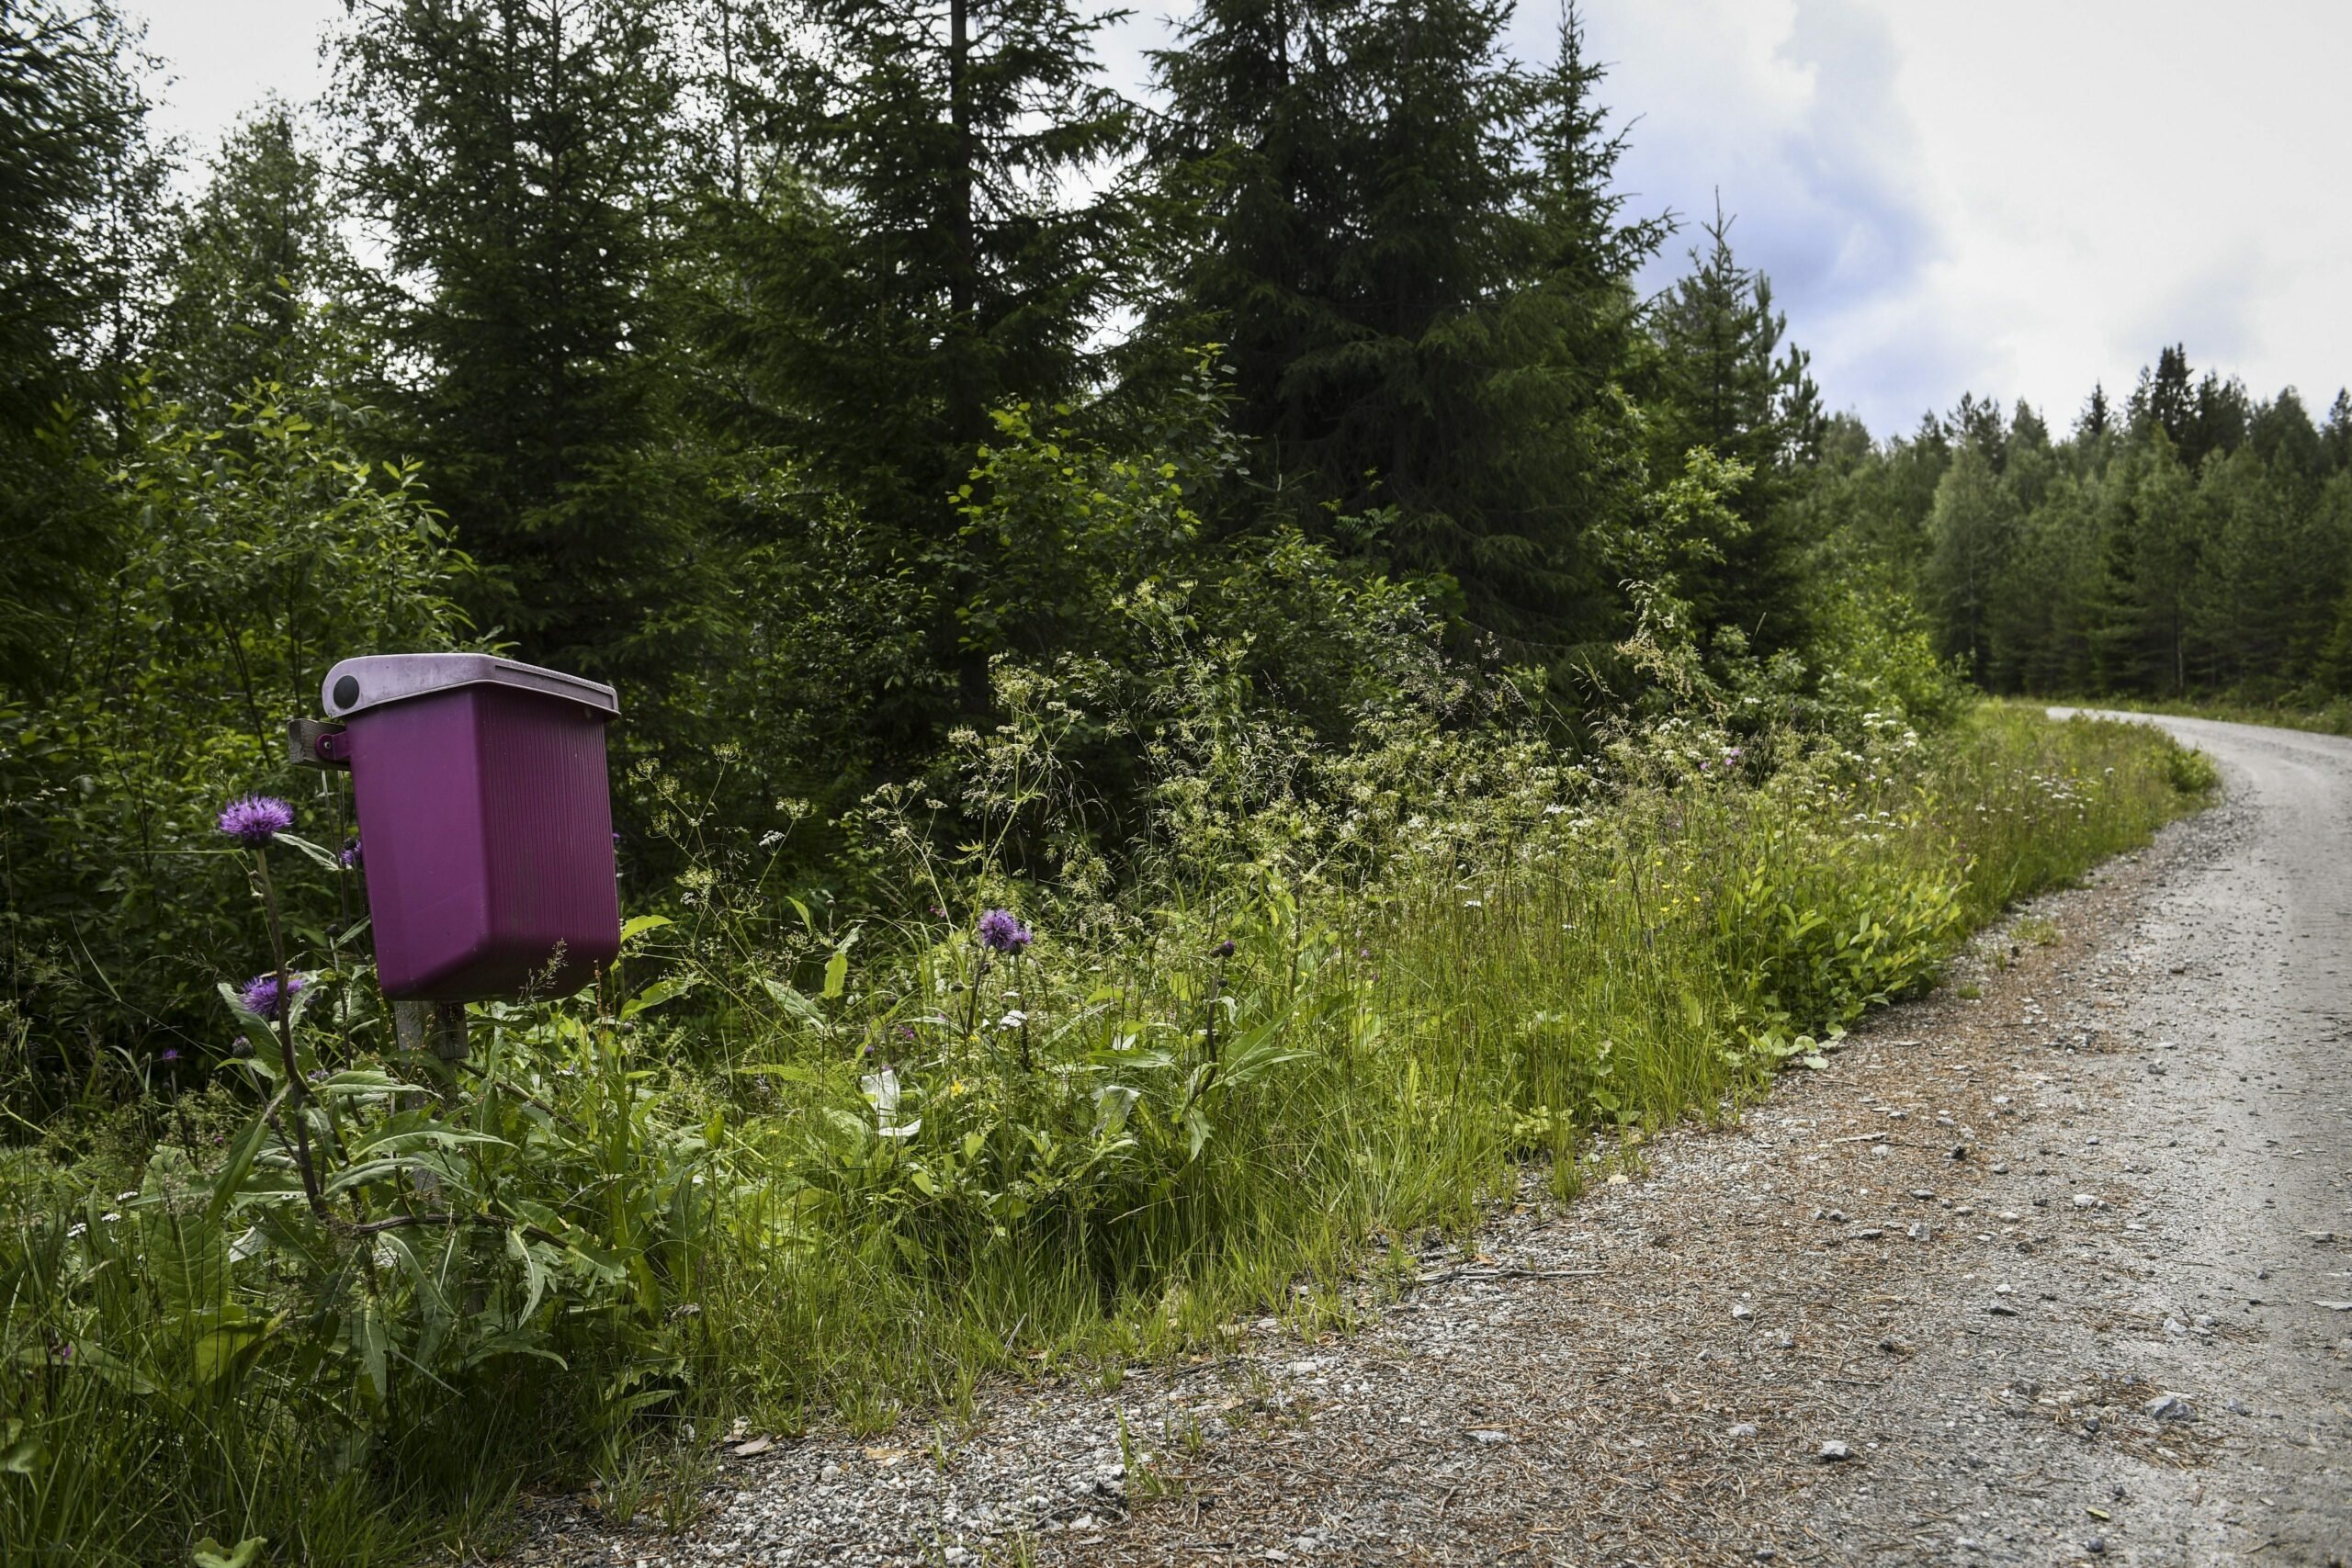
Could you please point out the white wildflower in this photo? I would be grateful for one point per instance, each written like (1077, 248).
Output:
(882, 1088)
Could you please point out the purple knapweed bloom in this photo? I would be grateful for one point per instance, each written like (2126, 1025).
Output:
(256, 818)
(261, 995)
(350, 856)
(1003, 933)
(170, 1055)
(1224, 949)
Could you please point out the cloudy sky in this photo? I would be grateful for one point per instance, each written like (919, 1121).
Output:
(2011, 197)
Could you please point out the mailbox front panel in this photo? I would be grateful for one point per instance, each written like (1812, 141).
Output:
(487, 825)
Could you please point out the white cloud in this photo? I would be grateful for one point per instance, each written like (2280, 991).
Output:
(2012, 197)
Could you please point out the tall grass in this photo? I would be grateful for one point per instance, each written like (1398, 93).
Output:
(1487, 996)
(2317, 715)
(1304, 1033)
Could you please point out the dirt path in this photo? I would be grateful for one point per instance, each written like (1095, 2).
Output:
(2042, 1258)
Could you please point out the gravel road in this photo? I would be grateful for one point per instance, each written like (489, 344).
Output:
(2053, 1267)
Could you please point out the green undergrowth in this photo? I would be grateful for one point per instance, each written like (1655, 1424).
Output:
(2330, 717)
(787, 1165)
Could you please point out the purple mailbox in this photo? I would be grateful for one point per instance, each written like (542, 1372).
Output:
(486, 819)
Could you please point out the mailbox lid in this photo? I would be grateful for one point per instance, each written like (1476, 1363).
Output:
(376, 679)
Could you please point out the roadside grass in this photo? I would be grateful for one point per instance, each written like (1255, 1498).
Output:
(939, 1165)
(2333, 716)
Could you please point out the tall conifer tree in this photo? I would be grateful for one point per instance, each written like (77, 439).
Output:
(257, 259)
(1726, 378)
(914, 248)
(1413, 247)
(515, 156)
(77, 183)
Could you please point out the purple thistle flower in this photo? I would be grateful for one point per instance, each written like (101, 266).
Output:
(350, 856)
(256, 819)
(260, 995)
(1224, 949)
(1003, 933)
(170, 1055)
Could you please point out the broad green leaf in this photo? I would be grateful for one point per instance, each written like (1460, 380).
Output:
(304, 846)
(785, 1070)
(230, 1183)
(792, 1001)
(358, 1080)
(211, 1553)
(535, 1272)
(404, 1140)
(660, 992)
(19, 1453)
(188, 1259)
(637, 925)
(231, 1348)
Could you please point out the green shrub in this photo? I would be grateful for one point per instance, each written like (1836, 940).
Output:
(255, 554)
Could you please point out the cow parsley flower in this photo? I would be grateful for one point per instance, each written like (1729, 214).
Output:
(256, 819)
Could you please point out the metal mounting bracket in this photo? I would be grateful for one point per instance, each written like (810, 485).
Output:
(312, 744)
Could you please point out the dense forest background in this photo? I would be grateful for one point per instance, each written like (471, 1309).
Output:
(844, 382)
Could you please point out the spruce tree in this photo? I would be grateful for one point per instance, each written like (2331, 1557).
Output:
(2096, 420)
(1726, 378)
(2153, 528)
(913, 249)
(1979, 421)
(2166, 397)
(259, 284)
(1415, 250)
(514, 156)
(1253, 159)
(2332, 674)
(2283, 436)
(1973, 531)
(2220, 419)
(2028, 428)
(77, 184)
(2045, 600)
(2336, 435)
(2243, 602)
(2325, 659)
